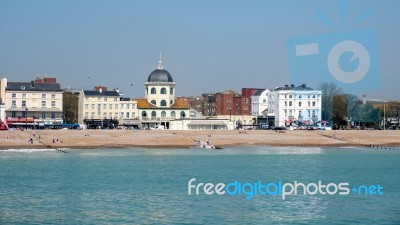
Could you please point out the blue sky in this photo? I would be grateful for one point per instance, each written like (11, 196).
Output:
(207, 46)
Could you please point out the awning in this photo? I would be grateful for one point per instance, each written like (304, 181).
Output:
(207, 122)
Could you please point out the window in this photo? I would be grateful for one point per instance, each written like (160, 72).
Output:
(53, 95)
(24, 95)
(170, 102)
(86, 106)
(115, 99)
(43, 95)
(290, 103)
(144, 114)
(122, 114)
(245, 100)
(171, 91)
(153, 91)
(110, 106)
(285, 96)
(299, 96)
(299, 104)
(53, 115)
(43, 115)
(127, 115)
(309, 114)
(264, 100)
(173, 115)
(43, 103)
(127, 106)
(309, 103)
(183, 115)
(23, 103)
(13, 95)
(53, 103)
(116, 106)
(290, 112)
(98, 113)
(163, 103)
(153, 115)
(105, 99)
(133, 115)
(122, 106)
(299, 113)
(313, 103)
(153, 102)
(104, 106)
(86, 115)
(313, 113)
(290, 96)
(98, 107)
(163, 114)
(92, 115)
(163, 91)
(14, 103)
(110, 115)
(104, 115)
(313, 96)
(285, 113)
(93, 106)
(245, 108)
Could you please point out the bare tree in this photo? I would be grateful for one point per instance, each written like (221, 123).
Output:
(329, 90)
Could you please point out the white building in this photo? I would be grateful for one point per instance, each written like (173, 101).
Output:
(160, 104)
(38, 103)
(293, 105)
(104, 108)
(259, 102)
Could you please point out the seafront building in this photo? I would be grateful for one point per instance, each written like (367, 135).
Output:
(160, 104)
(296, 105)
(100, 108)
(35, 104)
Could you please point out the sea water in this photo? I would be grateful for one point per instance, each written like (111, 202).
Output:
(150, 186)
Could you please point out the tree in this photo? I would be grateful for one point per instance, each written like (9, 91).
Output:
(393, 112)
(329, 90)
(70, 107)
(339, 112)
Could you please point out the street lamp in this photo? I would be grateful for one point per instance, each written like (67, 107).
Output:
(384, 115)
(26, 118)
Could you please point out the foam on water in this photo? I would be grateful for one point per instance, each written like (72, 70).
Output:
(27, 150)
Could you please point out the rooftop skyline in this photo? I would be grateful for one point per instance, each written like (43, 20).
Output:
(207, 46)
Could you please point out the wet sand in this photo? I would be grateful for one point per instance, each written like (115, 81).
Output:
(77, 139)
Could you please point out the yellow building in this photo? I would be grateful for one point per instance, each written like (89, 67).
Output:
(104, 108)
(160, 104)
(38, 103)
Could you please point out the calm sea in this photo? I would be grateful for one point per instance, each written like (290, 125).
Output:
(150, 186)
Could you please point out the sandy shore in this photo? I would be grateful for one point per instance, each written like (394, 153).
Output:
(183, 139)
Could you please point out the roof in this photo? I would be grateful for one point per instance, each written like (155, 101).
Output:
(142, 103)
(160, 75)
(179, 103)
(103, 93)
(31, 86)
(258, 92)
(302, 87)
(124, 99)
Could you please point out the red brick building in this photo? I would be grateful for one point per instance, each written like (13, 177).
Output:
(231, 103)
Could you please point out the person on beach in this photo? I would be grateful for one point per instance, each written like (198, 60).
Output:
(30, 141)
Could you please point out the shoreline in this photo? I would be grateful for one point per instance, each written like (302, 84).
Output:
(96, 139)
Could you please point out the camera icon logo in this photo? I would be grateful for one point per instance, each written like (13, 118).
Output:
(349, 59)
